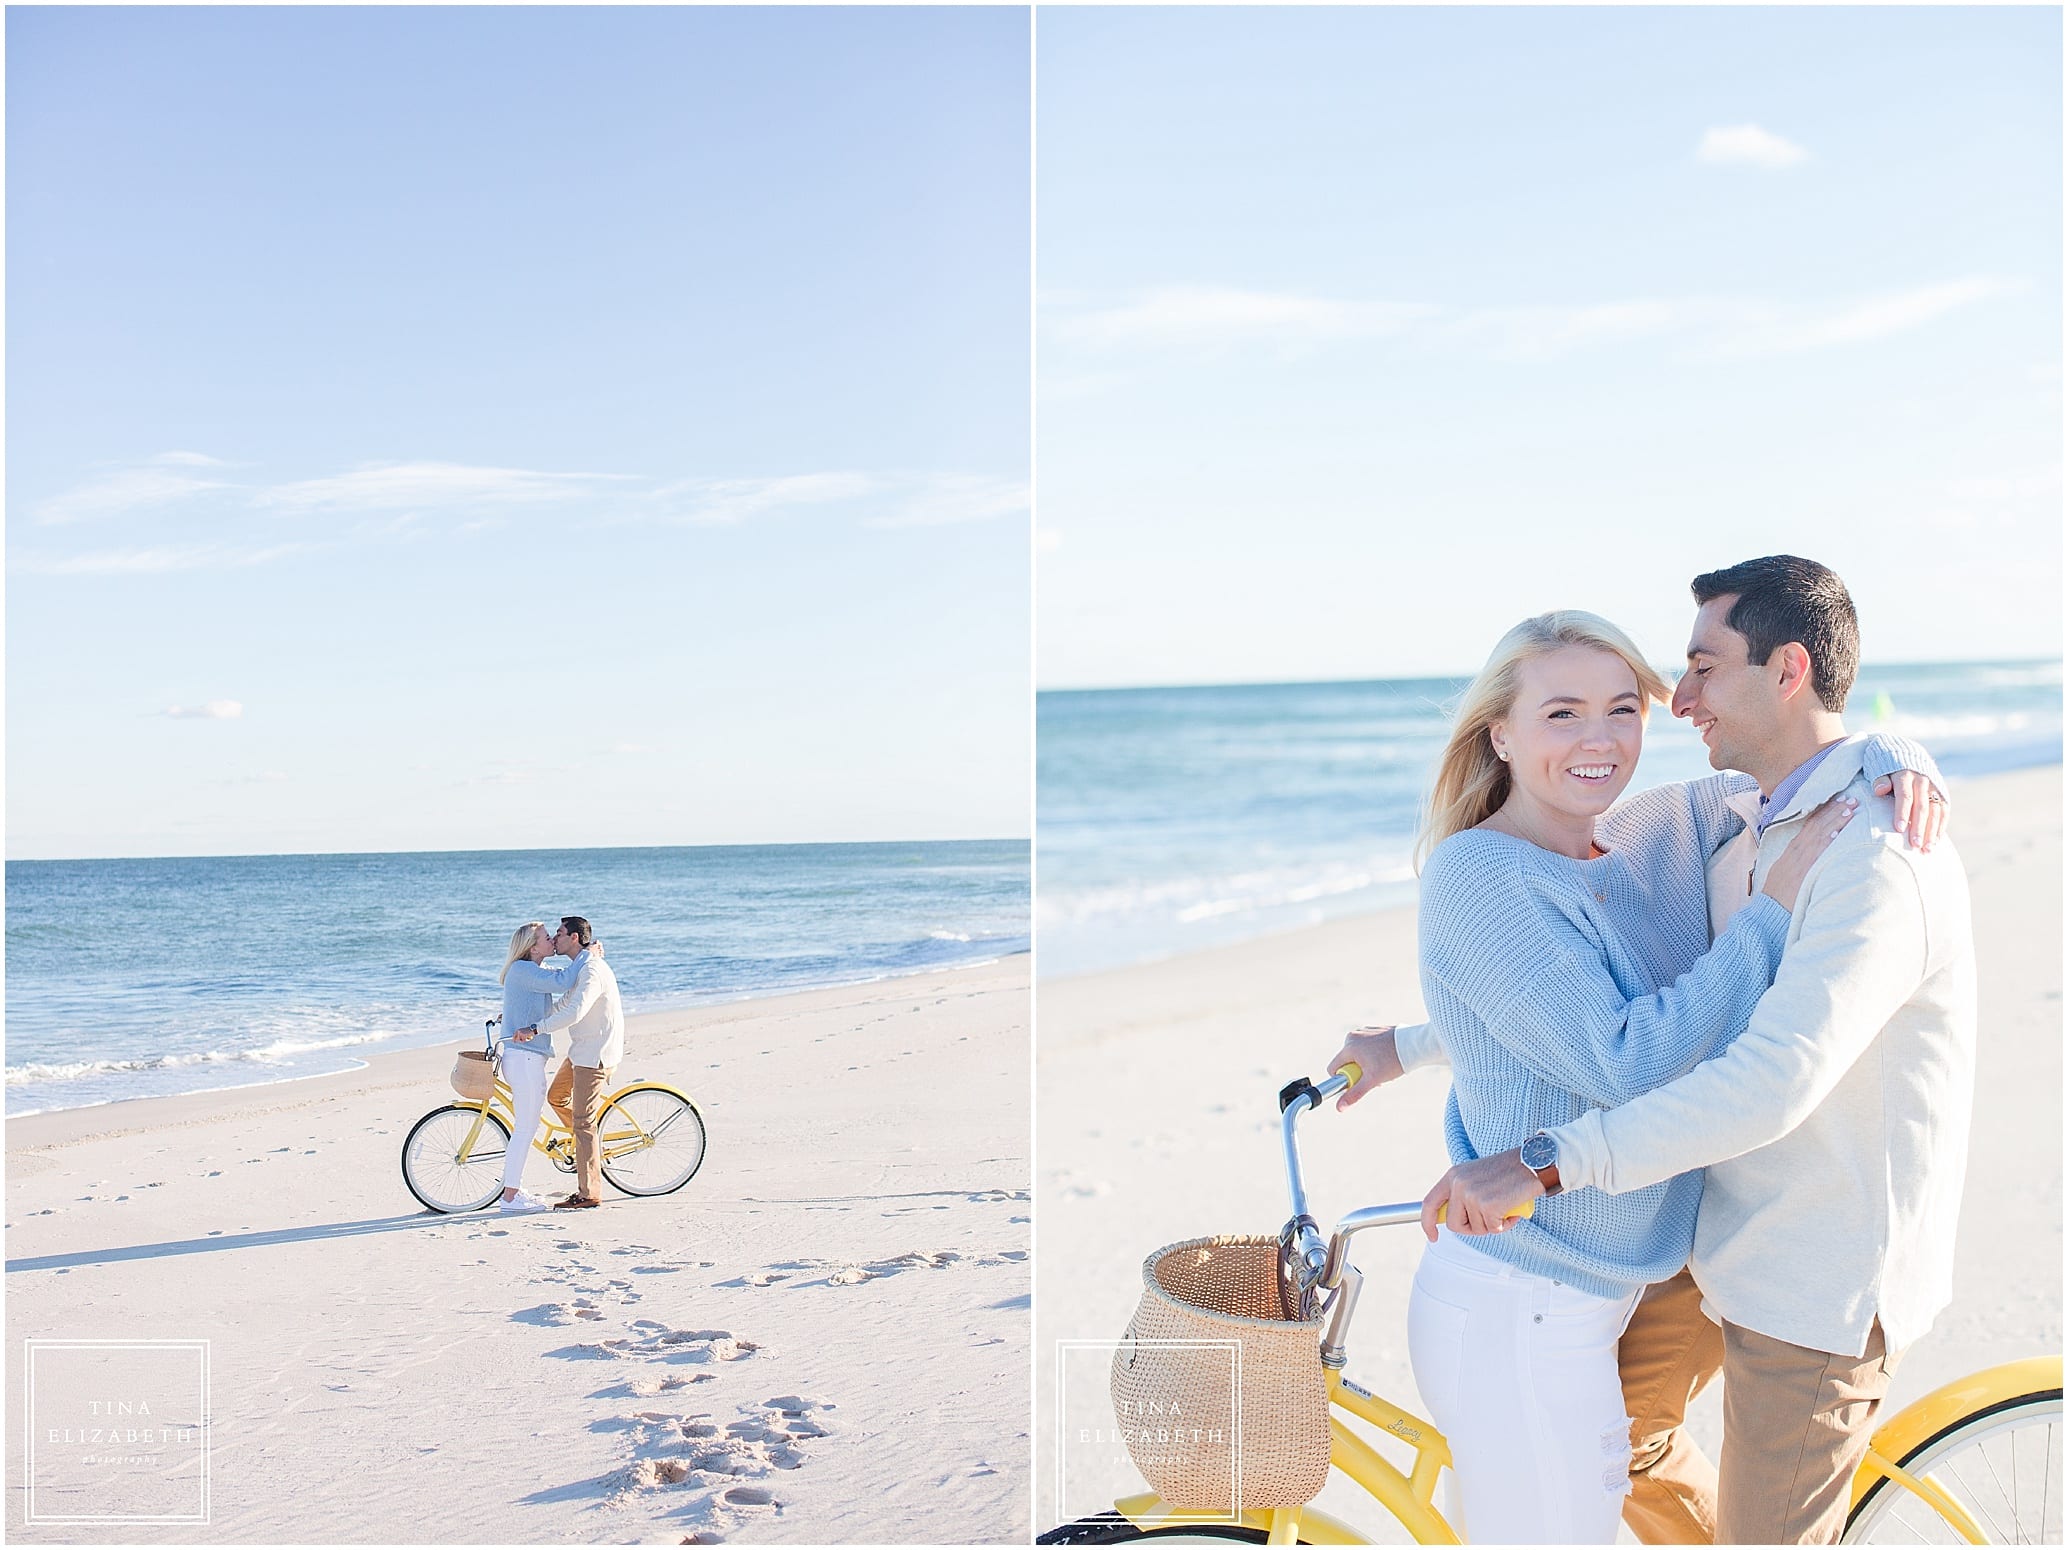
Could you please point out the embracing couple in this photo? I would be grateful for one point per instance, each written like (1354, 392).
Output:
(594, 1018)
(1721, 1036)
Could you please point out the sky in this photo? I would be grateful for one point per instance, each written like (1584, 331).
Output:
(1363, 333)
(504, 427)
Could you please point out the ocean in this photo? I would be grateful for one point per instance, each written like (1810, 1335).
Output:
(1175, 819)
(138, 978)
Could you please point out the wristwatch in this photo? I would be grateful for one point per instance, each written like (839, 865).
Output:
(1540, 1156)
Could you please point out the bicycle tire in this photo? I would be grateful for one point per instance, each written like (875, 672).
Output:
(676, 1149)
(1110, 1528)
(1978, 1451)
(431, 1166)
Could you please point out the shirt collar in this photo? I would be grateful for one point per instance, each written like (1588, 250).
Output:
(1772, 807)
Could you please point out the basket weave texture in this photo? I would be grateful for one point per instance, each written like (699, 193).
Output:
(473, 1077)
(1176, 1405)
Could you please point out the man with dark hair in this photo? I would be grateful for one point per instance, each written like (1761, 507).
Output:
(1782, 598)
(1834, 1130)
(596, 1015)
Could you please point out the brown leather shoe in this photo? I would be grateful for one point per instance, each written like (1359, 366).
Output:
(576, 1203)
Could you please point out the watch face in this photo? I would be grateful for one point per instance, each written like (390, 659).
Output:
(1539, 1151)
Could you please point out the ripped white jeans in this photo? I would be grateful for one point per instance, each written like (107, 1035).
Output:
(526, 1074)
(1519, 1372)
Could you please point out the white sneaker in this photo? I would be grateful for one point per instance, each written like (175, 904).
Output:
(524, 1202)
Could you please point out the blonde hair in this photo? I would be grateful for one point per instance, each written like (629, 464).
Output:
(1472, 781)
(520, 946)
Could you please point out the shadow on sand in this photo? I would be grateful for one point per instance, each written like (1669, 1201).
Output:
(243, 1240)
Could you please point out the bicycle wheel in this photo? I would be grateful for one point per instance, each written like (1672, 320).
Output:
(2002, 1464)
(1110, 1528)
(436, 1173)
(652, 1140)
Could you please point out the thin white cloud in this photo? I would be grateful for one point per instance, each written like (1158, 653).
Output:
(730, 501)
(939, 500)
(394, 486)
(1542, 332)
(396, 502)
(214, 710)
(151, 558)
(164, 480)
(1195, 314)
(1748, 145)
(1875, 317)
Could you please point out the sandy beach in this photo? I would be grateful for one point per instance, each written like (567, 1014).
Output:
(1156, 1121)
(822, 1338)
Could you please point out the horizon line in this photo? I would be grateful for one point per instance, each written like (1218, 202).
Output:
(1324, 683)
(525, 850)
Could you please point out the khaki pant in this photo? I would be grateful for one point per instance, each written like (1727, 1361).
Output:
(576, 1094)
(1795, 1424)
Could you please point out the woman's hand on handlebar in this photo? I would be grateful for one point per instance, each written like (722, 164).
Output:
(1785, 877)
(1372, 1050)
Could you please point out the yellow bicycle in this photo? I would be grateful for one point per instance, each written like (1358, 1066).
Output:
(1976, 1462)
(650, 1135)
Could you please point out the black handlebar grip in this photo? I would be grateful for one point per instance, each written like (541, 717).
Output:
(1293, 1092)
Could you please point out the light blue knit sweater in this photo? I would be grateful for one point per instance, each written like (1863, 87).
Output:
(1559, 985)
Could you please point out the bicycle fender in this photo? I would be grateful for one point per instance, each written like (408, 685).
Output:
(1925, 1419)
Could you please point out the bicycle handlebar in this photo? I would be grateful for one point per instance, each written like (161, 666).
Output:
(1323, 1262)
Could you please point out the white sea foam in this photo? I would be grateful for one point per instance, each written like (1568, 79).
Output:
(279, 1050)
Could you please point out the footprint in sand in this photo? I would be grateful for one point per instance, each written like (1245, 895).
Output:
(655, 1342)
(715, 1466)
(546, 1314)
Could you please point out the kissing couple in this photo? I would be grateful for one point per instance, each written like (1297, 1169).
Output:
(589, 1011)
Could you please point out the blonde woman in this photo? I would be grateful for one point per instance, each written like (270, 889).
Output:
(1566, 964)
(528, 991)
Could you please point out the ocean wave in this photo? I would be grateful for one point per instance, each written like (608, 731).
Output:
(1187, 900)
(1970, 726)
(268, 1054)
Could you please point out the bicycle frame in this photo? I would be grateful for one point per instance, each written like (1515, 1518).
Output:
(1410, 1497)
(612, 1144)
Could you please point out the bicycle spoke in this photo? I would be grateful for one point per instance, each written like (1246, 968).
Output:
(2014, 1493)
(2047, 1482)
(1975, 1501)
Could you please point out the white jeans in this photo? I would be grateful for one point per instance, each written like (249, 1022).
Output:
(1519, 1373)
(526, 1074)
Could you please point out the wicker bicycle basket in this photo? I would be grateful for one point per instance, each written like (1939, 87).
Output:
(1178, 1408)
(473, 1075)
